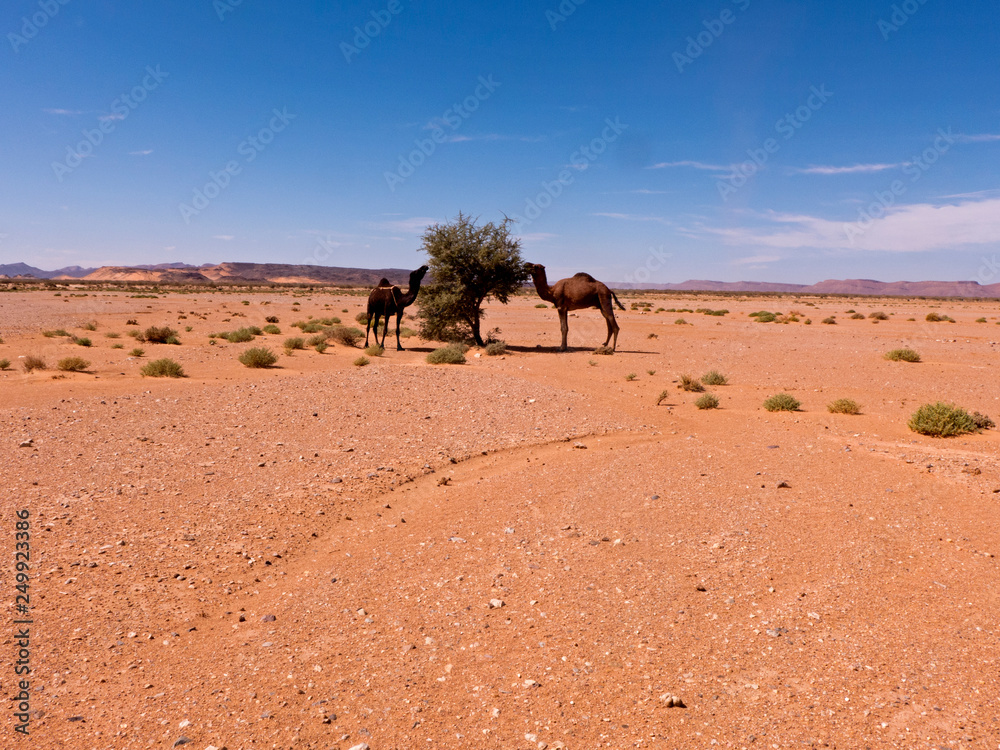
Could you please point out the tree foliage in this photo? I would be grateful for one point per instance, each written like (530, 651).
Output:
(468, 265)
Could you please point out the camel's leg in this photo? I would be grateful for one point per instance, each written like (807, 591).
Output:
(564, 327)
(399, 319)
(375, 325)
(368, 329)
(609, 317)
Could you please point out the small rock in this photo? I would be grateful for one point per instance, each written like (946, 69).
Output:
(26, 444)
(336, 480)
(361, 746)
(532, 684)
(268, 618)
(181, 741)
(580, 445)
(783, 485)
(700, 587)
(444, 481)
(813, 615)
(496, 603)
(654, 497)
(456, 539)
(184, 724)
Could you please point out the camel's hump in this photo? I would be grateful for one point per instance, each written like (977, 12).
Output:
(384, 282)
(584, 276)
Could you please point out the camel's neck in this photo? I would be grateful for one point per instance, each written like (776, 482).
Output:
(542, 285)
(411, 293)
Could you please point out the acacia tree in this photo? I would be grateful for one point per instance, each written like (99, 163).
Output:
(468, 265)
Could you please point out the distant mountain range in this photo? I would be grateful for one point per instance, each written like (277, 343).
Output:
(279, 273)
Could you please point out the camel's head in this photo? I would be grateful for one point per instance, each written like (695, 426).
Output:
(534, 268)
(419, 273)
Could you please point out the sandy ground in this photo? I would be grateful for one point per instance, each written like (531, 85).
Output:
(520, 552)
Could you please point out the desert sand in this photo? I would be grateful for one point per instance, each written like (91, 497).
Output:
(523, 551)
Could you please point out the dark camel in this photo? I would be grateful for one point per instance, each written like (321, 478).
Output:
(386, 300)
(576, 293)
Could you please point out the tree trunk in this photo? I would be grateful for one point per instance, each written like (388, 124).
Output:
(475, 331)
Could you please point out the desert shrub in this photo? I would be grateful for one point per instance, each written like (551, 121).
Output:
(831, 321)
(271, 329)
(32, 363)
(271, 319)
(714, 377)
(137, 335)
(541, 305)
(118, 346)
(82, 341)
(131, 322)
(73, 364)
(652, 336)
(321, 346)
(680, 322)
(312, 326)
(346, 335)
(374, 350)
(453, 354)
(980, 320)
(90, 326)
(942, 420)
(257, 357)
(843, 406)
(112, 335)
(319, 338)
(664, 395)
(362, 361)
(137, 352)
(857, 316)
(606, 351)
(902, 355)
(241, 335)
(361, 318)
(4, 364)
(690, 384)
(650, 372)
(164, 335)
(982, 421)
(933, 317)
(295, 342)
(55, 333)
(782, 402)
(707, 401)
(630, 377)
(162, 368)
(807, 322)
(496, 348)
(878, 315)
(763, 316)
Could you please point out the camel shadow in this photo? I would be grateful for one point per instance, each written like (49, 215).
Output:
(569, 350)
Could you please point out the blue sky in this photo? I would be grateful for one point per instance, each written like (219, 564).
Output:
(648, 141)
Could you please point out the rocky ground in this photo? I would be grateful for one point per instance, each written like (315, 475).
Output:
(524, 551)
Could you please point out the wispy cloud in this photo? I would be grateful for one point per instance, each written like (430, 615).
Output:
(538, 236)
(692, 165)
(977, 138)
(462, 138)
(147, 152)
(113, 116)
(632, 217)
(63, 111)
(754, 260)
(226, 237)
(917, 227)
(644, 191)
(414, 225)
(853, 169)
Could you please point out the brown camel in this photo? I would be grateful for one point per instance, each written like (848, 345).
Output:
(576, 293)
(386, 300)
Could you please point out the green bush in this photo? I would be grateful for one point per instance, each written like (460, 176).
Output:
(857, 316)
(112, 335)
(453, 354)
(902, 355)
(541, 305)
(690, 384)
(942, 420)
(53, 334)
(843, 406)
(604, 350)
(295, 342)
(763, 316)
(708, 401)
(73, 364)
(782, 402)
(980, 320)
(348, 336)
(933, 317)
(630, 377)
(374, 350)
(32, 363)
(319, 338)
(90, 326)
(272, 329)
(664, 395)
(714, 377)
(137, 352)
(82, 341)
(321, 346)
(362, 361)
(496, 348)
(258, 357)
(241, 335)
(982, 421)
(162, 368)
(878, 315)
(831, 321)
(361, 318)
(680, 322)
(4, 364)
(165, 335)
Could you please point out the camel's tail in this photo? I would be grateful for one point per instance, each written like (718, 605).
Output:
(615, 298)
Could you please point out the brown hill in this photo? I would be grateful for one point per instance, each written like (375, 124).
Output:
(164, 276)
